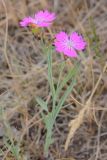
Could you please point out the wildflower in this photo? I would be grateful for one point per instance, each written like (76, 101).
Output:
(41, 19)
(69, 44)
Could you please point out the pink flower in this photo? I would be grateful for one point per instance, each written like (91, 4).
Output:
(41, 19)
(26, 22)
(69, 44)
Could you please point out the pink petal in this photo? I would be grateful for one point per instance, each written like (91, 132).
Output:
(59, 46)
(61, 36)
(49, 16)
(44, 24)
(70, 52)
(78, 41)
(26, 21)
(60, 41)
(39, 14)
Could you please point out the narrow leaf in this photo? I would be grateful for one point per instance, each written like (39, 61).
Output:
(70, 74)
(50, 77)
(63, 98)
(42, 103)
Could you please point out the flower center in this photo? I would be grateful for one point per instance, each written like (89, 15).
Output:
(69, 44)
(39, 21)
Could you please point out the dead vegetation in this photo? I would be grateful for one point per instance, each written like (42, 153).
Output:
(23, 76)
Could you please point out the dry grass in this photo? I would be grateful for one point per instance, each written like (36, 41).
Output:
(23, 76)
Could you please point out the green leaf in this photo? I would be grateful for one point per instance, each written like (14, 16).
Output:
(70, 74)
(50, 77)
(49, 122)
(63, 99)
(60, 74)
(42, 103)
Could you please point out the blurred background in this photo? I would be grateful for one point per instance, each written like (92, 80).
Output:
(23, 76)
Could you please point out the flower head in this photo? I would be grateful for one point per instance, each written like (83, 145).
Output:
(69, 44)
(41, 19)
